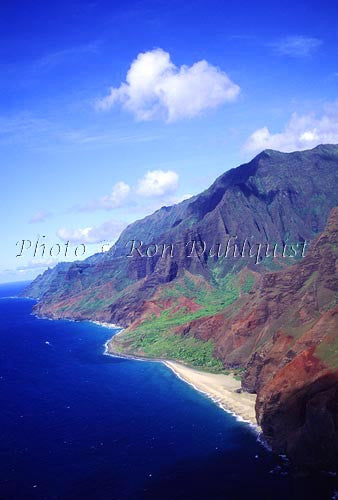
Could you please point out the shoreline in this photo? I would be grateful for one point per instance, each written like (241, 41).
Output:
(110, 326)
(222, 389)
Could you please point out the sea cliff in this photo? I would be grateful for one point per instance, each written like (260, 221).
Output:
(271, 319)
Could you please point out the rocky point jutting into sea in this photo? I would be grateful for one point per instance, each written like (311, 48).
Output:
(273, 321)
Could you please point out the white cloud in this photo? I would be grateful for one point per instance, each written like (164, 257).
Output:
(157, 183)
(117, 196)
(297, 46)
(154, 184)
(115, 199)
(40, 216)
(301, 132)
(109, 230)
(156, 88)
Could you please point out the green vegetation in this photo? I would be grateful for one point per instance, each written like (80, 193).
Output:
(248, 283)
(156, 343)
(155, 337)
(210, 299)
(327, 351)
(333, 247)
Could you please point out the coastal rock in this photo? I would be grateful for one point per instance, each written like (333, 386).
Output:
(274, 323)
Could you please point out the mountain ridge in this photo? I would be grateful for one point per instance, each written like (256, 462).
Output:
(229, 312)
(302, 210)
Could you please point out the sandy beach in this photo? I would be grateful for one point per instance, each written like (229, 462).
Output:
(221, 389)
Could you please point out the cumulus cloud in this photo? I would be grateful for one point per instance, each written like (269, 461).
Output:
(115, 199)
(92, 234)
(157, 183)
(301, 132)
(296, 46)
(40, 216)
(118, 195)
(154, 184)
(157, 88)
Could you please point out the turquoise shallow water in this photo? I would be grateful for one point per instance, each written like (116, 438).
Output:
(77, 424)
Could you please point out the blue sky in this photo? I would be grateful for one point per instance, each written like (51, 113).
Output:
(109, 110)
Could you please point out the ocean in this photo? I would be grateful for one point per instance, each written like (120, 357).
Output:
(78, 424)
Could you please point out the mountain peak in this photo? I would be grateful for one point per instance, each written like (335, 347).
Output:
(331, 148)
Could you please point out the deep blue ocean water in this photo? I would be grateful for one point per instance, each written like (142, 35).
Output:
(76, 424)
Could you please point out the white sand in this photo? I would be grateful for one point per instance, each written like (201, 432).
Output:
(221, 389)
